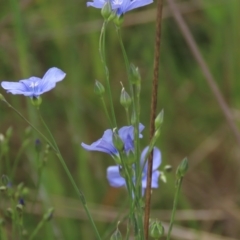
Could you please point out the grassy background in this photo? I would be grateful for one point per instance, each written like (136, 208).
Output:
(36, 35)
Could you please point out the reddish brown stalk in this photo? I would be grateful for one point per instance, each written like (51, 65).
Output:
(205, 70)
(153, 113)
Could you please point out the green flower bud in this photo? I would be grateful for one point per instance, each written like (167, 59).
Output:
(159, 120)
(157, 133)
(118, 20)
(125, 99)
(117, 141)
(106, 10)
(99, 88)
(182, 168)
(36, 101)
(135, 76)
(156, 229)
(116, 235)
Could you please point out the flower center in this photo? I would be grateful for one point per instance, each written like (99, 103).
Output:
(33, 85)
(117, 2)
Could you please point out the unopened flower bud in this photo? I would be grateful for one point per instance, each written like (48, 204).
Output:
(36, 101)
(125, 99)
(157, 133)
(135, 76)
(118, 20)
(159, 119)
(156, 229)
(106, 10)
(117, 141)
(182, 168)
(99, 88)
(116, 235)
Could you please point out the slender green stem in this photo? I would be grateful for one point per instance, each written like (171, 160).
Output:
(16, 161)
(105, 110)
(128, 117)
(42, 135)
(102, 52)
(78, 191)
(179, 183)
(37, 229)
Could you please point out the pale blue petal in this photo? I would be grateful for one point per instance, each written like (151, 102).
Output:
(96, 3)
(114, 177)
(155, 178)
(14, 87)
(137, 3)
(49, 80)
(156, 158)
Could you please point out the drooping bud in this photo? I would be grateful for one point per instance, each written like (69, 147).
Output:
(182, 168)
(135, 76)
(36, 101)
(125, 99)
(117, 141)
(156, 229)
(106, 10)
(159, 119)
(99, 88)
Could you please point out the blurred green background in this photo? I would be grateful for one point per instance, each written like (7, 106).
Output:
(38, 34)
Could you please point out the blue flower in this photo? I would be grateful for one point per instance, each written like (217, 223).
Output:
(116, 180)
(120, 6)
(34, 86)
(105, 144)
